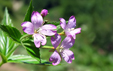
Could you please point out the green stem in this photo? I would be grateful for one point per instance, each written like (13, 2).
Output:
(47, 47)
(1, 63)
(4, 59)
(27, 35)
(62, 33)
(12, 50)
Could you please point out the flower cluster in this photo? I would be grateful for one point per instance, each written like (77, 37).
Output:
(39, 31)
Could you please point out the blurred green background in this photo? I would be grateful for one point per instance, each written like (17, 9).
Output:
(93, 47)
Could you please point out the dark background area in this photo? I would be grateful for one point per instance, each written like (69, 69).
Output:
(93, 47)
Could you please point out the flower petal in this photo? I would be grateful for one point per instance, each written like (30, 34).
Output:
(47, 30)
(56, 41)
(65, 56)
(74, 32)
(49, 26)
(44, 12)
(43, 42)
(55, 58)
(68, 42)
(36, 19)
(69, 53)
(28, 27)
(71, 23)
(39, 38)
(62, 23)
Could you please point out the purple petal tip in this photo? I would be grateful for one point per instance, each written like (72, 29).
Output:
(60, 18)
(72, 17)
(32, 13)
(22, 24)
(24, 28)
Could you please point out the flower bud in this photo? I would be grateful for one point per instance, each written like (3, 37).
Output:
(44, 12)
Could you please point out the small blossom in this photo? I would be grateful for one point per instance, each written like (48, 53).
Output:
(69, 28)
(62, 50)
(37, 29)
(44, 12)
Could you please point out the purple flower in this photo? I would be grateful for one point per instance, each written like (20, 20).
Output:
(44, 12)
(69, 28)
(62, 50)
(37, 29)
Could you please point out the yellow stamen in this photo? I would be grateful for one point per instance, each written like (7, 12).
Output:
(35, 31)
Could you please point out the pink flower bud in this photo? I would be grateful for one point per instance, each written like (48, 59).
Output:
(44, 12)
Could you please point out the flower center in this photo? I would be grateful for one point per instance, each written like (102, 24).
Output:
(60, 49)
(35, 31)
(71, 29)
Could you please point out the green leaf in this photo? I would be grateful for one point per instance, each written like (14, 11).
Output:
(29, 12)
(11, 32)
(31, 48)
(6, 43)
(26, 59)
(6, 20)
